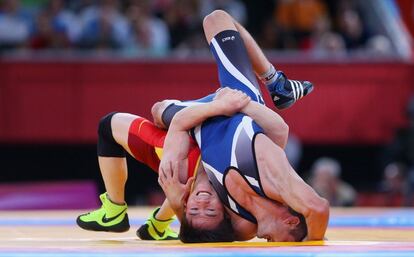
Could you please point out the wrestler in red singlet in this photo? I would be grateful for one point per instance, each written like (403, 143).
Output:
(146, 142)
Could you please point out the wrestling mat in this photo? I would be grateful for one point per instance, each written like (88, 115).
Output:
(352, 232)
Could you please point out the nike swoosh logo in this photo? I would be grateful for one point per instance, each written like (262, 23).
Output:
(157, 231)
(107, 220)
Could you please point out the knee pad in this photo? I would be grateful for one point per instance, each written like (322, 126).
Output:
(107, 146)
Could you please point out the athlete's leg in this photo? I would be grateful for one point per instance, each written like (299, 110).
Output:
(234, 66)
(219, 21)
(113, 173)
(120, 132)
(216, 22)
(114, 169)
(139, 137)
(284, 92)
(260, 63)
(112, 216)
(276, 82)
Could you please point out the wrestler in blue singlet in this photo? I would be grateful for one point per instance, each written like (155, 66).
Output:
(228, 142)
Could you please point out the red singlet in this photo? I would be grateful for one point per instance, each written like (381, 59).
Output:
(146, 142)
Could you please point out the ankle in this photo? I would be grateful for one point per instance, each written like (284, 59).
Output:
(116, 201)
(269, 76)
(160, 217)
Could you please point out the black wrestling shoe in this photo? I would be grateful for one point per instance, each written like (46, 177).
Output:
(286, 92)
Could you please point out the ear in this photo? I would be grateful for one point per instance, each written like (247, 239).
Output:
(292, 221)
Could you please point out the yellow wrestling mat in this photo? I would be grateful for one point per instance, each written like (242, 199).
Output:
(352, 232)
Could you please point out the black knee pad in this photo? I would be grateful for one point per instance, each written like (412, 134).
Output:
(107, 146)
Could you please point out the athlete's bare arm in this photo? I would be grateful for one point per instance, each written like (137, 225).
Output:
(227, 102)
(272, 124)
(281, 183)
(176, 143)
(175, 191)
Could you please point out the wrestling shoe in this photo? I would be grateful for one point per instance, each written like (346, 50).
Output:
(154, 229)
(286, 92)
(110, 217)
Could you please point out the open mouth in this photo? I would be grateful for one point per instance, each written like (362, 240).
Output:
(203, 193)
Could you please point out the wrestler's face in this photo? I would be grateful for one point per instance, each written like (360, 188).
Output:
(277, 229)
(204, 209)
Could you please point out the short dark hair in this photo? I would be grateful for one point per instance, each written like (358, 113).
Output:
(301, 230)
(223, 232)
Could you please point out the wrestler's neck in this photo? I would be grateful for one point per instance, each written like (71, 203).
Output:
(260, 207)
(201, 176)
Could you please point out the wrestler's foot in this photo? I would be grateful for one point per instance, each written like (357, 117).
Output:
(110, 217)
(154, 229)
(286, 92)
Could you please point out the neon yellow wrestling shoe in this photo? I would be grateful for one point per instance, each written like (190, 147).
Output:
(110, 217)
(154, 229)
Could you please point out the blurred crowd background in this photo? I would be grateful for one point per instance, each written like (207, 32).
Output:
(173, 27)
(336, 31)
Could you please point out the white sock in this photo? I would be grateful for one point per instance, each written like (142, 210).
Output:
(269, 76)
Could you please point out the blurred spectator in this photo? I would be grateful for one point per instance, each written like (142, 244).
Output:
(379, 46)
(15, 24)
(234, 7)
(271, 36)
(258, 13)
(324, 42)
(401, 150)
(149, 34)
(64, 20)
(104, 26)
(293, 150)
(46, 35)
(330, 45)
(55, 27)
(183, 21)
(393, 184)
(195, 45)
(352, 29)
(159, 27)
(409, 192)
(298, 18)
(325, 179)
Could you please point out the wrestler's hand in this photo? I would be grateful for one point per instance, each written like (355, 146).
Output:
(175, 191)
(230, 101)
